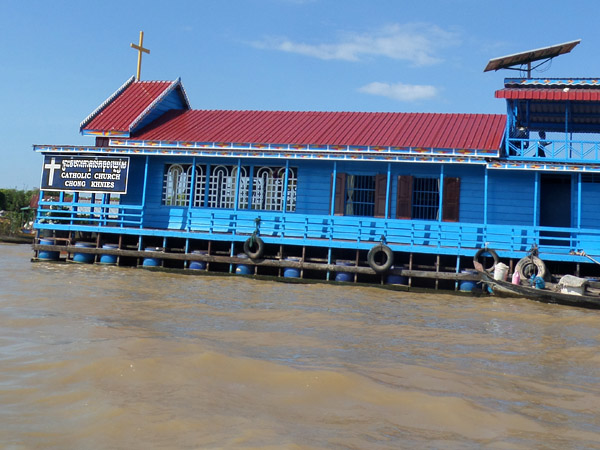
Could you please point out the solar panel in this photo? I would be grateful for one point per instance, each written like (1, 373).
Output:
(518, 59)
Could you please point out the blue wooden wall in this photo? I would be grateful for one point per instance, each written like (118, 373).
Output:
(472, 191)
(314, 187)
(511, 194)
(135, 183)
(156, 214)
(590, 211)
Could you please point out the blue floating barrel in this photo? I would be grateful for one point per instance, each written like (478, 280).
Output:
(46, 255)
(86, 258)
(198, 265)
(243, 269)
(468, 285)
(344, 276)
(396, 279)
(109, 259)
(152, 262)
(292, 272)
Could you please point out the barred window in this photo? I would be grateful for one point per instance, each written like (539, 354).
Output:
(360, 195)
(425, 198)
(419, 198)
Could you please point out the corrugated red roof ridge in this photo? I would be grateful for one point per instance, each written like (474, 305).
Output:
(125, 106)
(438, 130)
(103, 105)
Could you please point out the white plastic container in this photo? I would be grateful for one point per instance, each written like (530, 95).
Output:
(501, 272)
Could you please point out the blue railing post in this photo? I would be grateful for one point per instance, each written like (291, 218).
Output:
(191, 196)
(144, 191)
(285, 185)
(237, 185)
(485, 196)
(388, 190)
(536, 193)
(441, 196)
(333, 189)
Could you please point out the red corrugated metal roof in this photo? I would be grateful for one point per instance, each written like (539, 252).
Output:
(580, 95)
(120, 113)
(459, 131)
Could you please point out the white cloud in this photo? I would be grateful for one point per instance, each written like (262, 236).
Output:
(416, 43)
(400, 91)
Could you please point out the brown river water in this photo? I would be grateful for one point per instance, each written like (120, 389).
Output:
(98, 357)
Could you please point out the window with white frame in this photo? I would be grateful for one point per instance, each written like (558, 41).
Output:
(178, 185)
(263, 188)
(175, 186)
(268, 189)
(292, 185)
(199, 187)
(222, 187)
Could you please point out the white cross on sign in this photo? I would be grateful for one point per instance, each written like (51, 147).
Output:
(52, 166)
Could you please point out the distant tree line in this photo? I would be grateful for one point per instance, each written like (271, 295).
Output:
(13, 216)
(15, 199)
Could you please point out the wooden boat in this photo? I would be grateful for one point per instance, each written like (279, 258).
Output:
(20, 238)
(591, 299)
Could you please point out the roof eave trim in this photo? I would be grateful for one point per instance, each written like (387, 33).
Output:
(100, 108)
(185, 96)
(102, 133)
(177, 83)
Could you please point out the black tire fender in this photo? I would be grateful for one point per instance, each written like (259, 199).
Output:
(531, 265)
(254, 247)
(486, 251)
(372, 258)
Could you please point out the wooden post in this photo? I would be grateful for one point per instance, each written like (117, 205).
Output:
(437, 270)
(456, 283)
(356, 261)
(208, 262)
(280, 257)
(120, 247)
(410, 266)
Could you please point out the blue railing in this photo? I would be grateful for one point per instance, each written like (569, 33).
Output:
(510, 241)
(402, 235)
(65, 215)
(555, 150)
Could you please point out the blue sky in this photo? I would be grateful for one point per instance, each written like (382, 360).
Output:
(61, 59)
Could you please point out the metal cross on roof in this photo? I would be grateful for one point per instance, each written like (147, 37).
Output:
(140, 48)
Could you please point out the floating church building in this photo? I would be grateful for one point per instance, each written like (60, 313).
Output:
(351, 196)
